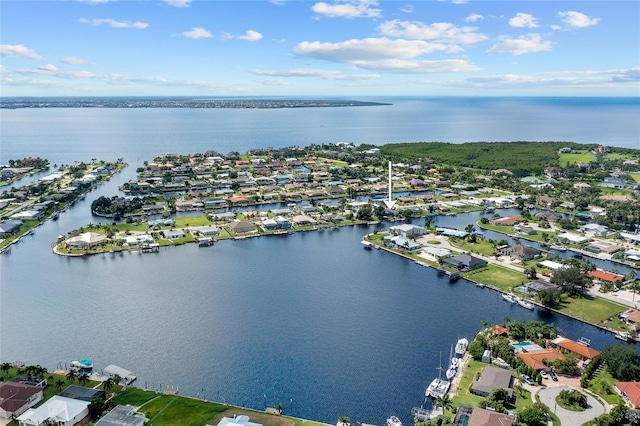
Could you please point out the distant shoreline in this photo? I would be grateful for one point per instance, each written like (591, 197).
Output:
(142, 102)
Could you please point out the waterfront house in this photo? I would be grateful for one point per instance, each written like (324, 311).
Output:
(60, 410)
(630, 238)
(396, 241)
(122, 415)
(483, 417)
(206, 231)
(630, 391)
(241, 420)
(605, 276)
(631, 317)
(85, 241)
(16, 398)
(571, 238)
(539, 285)
(303, 220)
(242, 227)
(603, 247)
(548, 216)
(524, 229)
(436, 253)
(9, 227)
(465, 262)
(537, 358)
(173, 234)
(520, 252)
(568, 345)
(507, 220)
(82, 393)
(493, 378)
(408, 230)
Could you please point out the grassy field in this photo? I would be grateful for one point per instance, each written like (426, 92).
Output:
(591, 309)
(635, 176)
(602, 385)
(496, 276)
(173, 410)
(577, 157)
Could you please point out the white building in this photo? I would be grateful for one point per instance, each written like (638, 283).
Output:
(62, 411)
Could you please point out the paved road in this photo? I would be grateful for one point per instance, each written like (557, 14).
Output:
(548, 398)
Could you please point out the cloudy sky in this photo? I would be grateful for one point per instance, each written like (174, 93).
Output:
(320, 48)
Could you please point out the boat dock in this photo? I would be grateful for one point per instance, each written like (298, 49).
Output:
(126, 376)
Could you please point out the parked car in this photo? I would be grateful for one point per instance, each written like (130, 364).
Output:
(553, 375)
(527, 379)
(544, 374)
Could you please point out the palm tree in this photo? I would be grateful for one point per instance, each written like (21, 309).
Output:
(59, 384)
(72, 375)
(445, 402)
(107, 384)
(117, 379)
(6, 366)
(83, 378)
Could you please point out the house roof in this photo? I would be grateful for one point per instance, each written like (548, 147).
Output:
(466, 260)
(605, 276)
(14, 396)
(535, 359)
(575, 347)
(481, 417)
(58, 408)
(631, 390)
(499, 330)
(121, 415)
(493, 378)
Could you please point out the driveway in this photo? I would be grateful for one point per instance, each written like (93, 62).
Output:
(548, 398)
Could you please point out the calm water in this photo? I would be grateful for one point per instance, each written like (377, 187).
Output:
(67, 135)
(310, 320)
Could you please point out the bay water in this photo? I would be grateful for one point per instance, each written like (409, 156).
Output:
(309, 320)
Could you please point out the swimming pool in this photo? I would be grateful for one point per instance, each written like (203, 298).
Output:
(520, 345)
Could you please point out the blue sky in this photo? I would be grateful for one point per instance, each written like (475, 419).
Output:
(352, 48)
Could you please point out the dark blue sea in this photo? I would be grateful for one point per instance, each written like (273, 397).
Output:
(310, 320)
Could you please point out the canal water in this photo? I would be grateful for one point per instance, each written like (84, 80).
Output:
(310, 320)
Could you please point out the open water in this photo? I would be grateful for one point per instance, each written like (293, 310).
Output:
(309, 320)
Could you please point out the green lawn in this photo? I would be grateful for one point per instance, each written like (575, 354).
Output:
(577, 157)
(135, 397)
(635, 176)
(602, 385)
(591, 309)
(463, 393)
(497, 276)
(174, 410)
(481, 246)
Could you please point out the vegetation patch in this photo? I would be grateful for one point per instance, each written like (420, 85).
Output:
(497, 276)
(572, 400)
(135, 397)
(595, 310)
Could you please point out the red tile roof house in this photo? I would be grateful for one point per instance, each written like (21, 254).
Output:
(601, 275)
(630, 391)
(16, 398)
(507, 220)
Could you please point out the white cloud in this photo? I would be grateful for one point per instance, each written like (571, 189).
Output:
(178, 3)
(473, 17)
(197, 32)
(48, 67)
(440, 31)
(348, 9)
(274, 82)
(577, 19)
(523, 20)
(72, 60)
(315, 73)
(18, 50)
(250, 35)
(407, 8)
(4, 70)
(521, 45)
(113, 23)
(384, 55)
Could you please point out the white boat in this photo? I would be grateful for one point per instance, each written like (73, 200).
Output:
(461, 347)
(366, 244)
(557, 247)
(584, 341)
(525, 304)
(625, 337)
(437, 388)
(394, 421)
(82, 364)
(509, 298)
(454, 361)
(451, 372)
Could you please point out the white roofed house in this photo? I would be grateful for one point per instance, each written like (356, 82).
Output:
(571, 238)
(58, 409)
(408, 230)
(85, 241)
